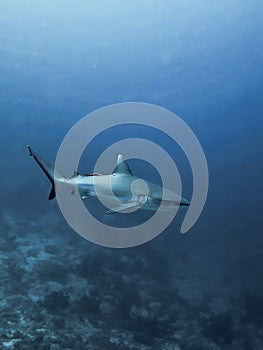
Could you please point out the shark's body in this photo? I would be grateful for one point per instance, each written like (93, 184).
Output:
(131, 191)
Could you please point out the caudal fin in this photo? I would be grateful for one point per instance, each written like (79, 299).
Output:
(47, 169)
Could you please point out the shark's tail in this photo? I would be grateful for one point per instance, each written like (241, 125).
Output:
(47, 169)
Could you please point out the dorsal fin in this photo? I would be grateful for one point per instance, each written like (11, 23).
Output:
(122, 166)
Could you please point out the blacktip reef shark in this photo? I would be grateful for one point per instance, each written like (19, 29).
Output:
(118, 184)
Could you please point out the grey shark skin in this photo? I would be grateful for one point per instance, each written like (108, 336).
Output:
(131, 191)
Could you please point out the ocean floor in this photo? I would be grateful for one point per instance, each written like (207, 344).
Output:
(59, 291)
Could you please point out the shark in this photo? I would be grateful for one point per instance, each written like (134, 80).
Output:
(132, 192)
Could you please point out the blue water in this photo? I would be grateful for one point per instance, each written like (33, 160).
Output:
(203, 61)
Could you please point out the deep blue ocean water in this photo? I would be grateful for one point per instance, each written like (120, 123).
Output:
(203, 61)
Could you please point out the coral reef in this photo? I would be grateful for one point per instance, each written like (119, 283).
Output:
(61, 292)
